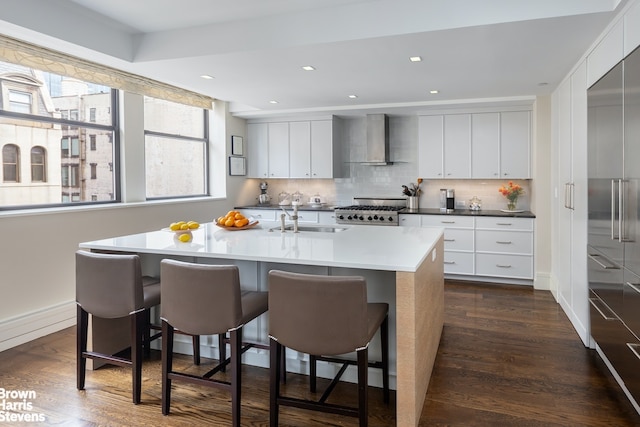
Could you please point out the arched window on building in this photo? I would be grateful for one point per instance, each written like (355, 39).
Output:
(10, 163)
(38, 164)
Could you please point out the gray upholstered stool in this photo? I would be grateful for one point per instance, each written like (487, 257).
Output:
(206, 300)
(325, 316)
(111, 286)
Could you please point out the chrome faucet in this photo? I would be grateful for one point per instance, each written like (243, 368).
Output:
(293, 217)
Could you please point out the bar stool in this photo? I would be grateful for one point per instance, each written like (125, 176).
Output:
(111, 286)
(325, 316)
(206, 300)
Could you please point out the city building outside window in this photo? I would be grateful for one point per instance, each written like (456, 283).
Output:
(67, 133)
(176, 149)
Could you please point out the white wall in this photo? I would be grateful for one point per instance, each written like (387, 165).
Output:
(37, 261)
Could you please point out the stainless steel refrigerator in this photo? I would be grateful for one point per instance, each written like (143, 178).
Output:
(613, 222)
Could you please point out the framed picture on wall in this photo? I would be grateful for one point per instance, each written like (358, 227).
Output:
(237, 166)
(236, 146)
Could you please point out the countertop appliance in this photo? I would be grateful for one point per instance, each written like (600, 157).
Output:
(613, 249)
(264, 198)
(371, 211)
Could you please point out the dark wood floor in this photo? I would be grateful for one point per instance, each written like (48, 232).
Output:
(508, 357)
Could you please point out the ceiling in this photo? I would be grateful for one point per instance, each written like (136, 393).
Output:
(472, 51)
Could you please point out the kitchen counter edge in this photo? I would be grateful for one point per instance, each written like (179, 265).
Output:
(467, 212)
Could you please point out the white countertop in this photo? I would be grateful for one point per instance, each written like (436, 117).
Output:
(359, 246)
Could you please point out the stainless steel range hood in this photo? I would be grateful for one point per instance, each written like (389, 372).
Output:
(377, 144)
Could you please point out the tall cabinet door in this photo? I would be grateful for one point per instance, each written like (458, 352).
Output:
(631, 217)
(515, 144)
(485, 145)
(457, 146)
(430, 146)
(257, 150)
(278, 150)
(322, 149)
(300, 149)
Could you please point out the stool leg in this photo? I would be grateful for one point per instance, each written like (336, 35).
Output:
(137, 336)
(275, 354)
(196, 349)
(384, 337)
(146, 334)
(312, 372)
(81, 346)
(236, 382)
(167, 365)
(363, 386)
(222, 350)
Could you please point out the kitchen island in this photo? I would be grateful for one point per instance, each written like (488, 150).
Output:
(402, 265)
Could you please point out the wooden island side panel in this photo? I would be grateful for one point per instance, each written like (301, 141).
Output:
(420, 319)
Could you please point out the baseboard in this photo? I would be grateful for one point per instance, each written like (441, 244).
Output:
(542, 282)
(22, 329)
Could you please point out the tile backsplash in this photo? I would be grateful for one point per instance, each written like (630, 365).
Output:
(387, 181)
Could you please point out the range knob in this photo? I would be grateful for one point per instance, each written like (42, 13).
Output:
(361, 218)
(370, 218)
(381, 218)
(340, 216)
(375, 217)
(390, 218)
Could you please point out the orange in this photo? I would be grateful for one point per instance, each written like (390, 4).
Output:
(239, 216)
(229, 222)
(241, 222)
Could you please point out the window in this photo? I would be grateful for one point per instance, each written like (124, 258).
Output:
(92, 142)
(11, 163)
(20, 102)
(38, 165)
(92, 115)
(176, 147)
(94, 167)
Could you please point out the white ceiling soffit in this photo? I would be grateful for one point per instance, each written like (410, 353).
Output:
(254, 49)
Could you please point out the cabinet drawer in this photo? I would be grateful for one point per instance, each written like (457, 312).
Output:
(498, 223)
(306, 216)
(447, 221)
(458, 240)
(458, 263)
(260, 214)
(512, 242)
(500, 265)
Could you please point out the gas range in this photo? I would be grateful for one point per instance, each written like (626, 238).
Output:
(371, 211)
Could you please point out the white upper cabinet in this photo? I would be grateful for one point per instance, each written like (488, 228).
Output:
(278, 150)
(430, 146)
(485, 145)
(257, 150)
(515, 144)
(477, 145)
(300, 149)
(632, 29)
(297, 149)
(323, 150)
(606, 54)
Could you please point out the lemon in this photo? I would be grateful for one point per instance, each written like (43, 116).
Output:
(193, 225)
(186, 237)
(174, 226)
(184, 227)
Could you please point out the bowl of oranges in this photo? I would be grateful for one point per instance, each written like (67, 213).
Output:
(234, 221)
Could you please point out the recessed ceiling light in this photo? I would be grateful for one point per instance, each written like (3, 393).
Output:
(415, 58)
(273, 102)
(207, 76)
(308, 68)
(353, 96)
(433, 92)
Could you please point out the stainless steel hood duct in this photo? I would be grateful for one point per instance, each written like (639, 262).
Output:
(377, 146)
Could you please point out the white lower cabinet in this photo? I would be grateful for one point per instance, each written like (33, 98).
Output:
(259, 214)
(500, 247)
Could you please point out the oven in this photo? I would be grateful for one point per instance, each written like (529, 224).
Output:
(371, 211)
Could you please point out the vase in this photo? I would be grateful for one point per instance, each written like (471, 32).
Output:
(413, 202)
(511, 204)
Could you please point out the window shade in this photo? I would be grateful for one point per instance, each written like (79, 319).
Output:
(38, 57)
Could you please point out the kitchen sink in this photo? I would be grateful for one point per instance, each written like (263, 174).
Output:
(313, 228)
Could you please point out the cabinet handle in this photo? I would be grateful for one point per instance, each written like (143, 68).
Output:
(634, 348)
(634, 286)
(503, 243)
(449, 262)
(449, 240)
(503, 265)
(448, 222)
(595, 258)
(596, 302)
(504, 223)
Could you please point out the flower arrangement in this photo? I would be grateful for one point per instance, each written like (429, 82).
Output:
(414, 190)
(511, 191)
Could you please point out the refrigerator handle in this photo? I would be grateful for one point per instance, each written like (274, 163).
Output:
(572, 192)
(566, 198)
(596, 258)
(621, 208)
(614, 206)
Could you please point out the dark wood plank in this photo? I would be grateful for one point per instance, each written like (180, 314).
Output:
(508, 356)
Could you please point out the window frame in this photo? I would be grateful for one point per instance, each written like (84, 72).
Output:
(16, 164)
(42, 166)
